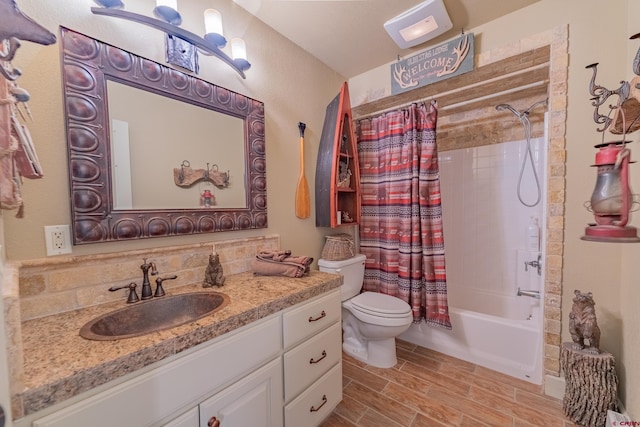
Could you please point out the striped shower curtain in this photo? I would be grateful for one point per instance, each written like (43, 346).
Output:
(401, 221)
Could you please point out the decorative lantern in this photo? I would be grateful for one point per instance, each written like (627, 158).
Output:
(611, 199)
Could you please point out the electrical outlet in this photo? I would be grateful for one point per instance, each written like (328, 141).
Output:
(57, 238)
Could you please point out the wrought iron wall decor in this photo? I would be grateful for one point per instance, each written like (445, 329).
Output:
(626, 112)
(185, 176)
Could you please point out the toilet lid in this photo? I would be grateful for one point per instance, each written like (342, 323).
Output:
(380, 305)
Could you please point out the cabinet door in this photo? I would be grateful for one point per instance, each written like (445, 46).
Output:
(254, 401)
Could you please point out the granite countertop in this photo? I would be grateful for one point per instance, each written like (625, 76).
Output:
(59, 364)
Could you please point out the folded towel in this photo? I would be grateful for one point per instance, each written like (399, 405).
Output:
(281, 263)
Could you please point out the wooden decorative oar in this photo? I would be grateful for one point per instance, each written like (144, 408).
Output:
(303, 204)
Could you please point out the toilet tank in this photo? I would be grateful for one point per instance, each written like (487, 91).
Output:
(352, 269)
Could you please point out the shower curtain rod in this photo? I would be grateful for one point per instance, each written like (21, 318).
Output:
(460, 89)
(457, 104)
(494, 95)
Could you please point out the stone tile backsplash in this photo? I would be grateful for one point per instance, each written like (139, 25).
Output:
(54, 285)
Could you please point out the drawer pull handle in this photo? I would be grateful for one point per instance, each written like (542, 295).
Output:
(324, 354)
(213, 422)
(324, 400)
(323, 314)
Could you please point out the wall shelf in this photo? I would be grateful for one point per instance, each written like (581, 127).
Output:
(335, 203)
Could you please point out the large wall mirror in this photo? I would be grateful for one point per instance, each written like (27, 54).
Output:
(132, 124)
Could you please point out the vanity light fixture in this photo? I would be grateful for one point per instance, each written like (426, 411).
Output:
(183, 46)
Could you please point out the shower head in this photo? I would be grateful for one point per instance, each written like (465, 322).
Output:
(501, 107)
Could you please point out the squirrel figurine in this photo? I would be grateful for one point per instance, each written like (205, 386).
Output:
(213, 275)
(582, 323)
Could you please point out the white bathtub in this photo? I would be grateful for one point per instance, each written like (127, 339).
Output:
(511, 345)
(485, 230)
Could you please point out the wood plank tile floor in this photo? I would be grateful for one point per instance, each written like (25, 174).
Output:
(427, 388)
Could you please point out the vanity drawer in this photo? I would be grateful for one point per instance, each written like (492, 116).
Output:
(311, 318)
(307, 362)
(315, 404)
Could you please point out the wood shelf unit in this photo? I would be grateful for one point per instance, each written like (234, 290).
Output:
(338, 147)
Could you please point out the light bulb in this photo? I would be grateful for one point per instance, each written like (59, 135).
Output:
(238, 49)
(213, 28)
(239, 54)
(212, 21)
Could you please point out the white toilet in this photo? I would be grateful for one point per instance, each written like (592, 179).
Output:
(370, 321)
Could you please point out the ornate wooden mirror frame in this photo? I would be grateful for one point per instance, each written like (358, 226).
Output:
(87, 64)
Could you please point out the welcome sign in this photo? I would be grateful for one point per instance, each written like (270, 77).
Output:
(446, 60)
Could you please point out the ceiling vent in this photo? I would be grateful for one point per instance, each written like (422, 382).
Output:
(422, 22)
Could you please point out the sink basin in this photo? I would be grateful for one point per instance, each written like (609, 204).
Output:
(153, 315)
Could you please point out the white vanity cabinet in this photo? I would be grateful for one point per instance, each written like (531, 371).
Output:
(174, 387)
(291, 359)
(312, 359)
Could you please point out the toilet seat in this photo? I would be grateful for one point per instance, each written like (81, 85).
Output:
(380, 309)
(380, 304)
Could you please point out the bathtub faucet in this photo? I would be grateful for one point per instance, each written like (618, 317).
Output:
(535, 264)
(532, 294)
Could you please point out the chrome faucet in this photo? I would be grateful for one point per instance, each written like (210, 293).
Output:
(535, 264)
(146, 286)
(532, 294)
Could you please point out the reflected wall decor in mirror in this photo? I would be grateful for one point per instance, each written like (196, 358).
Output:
(130, 122)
